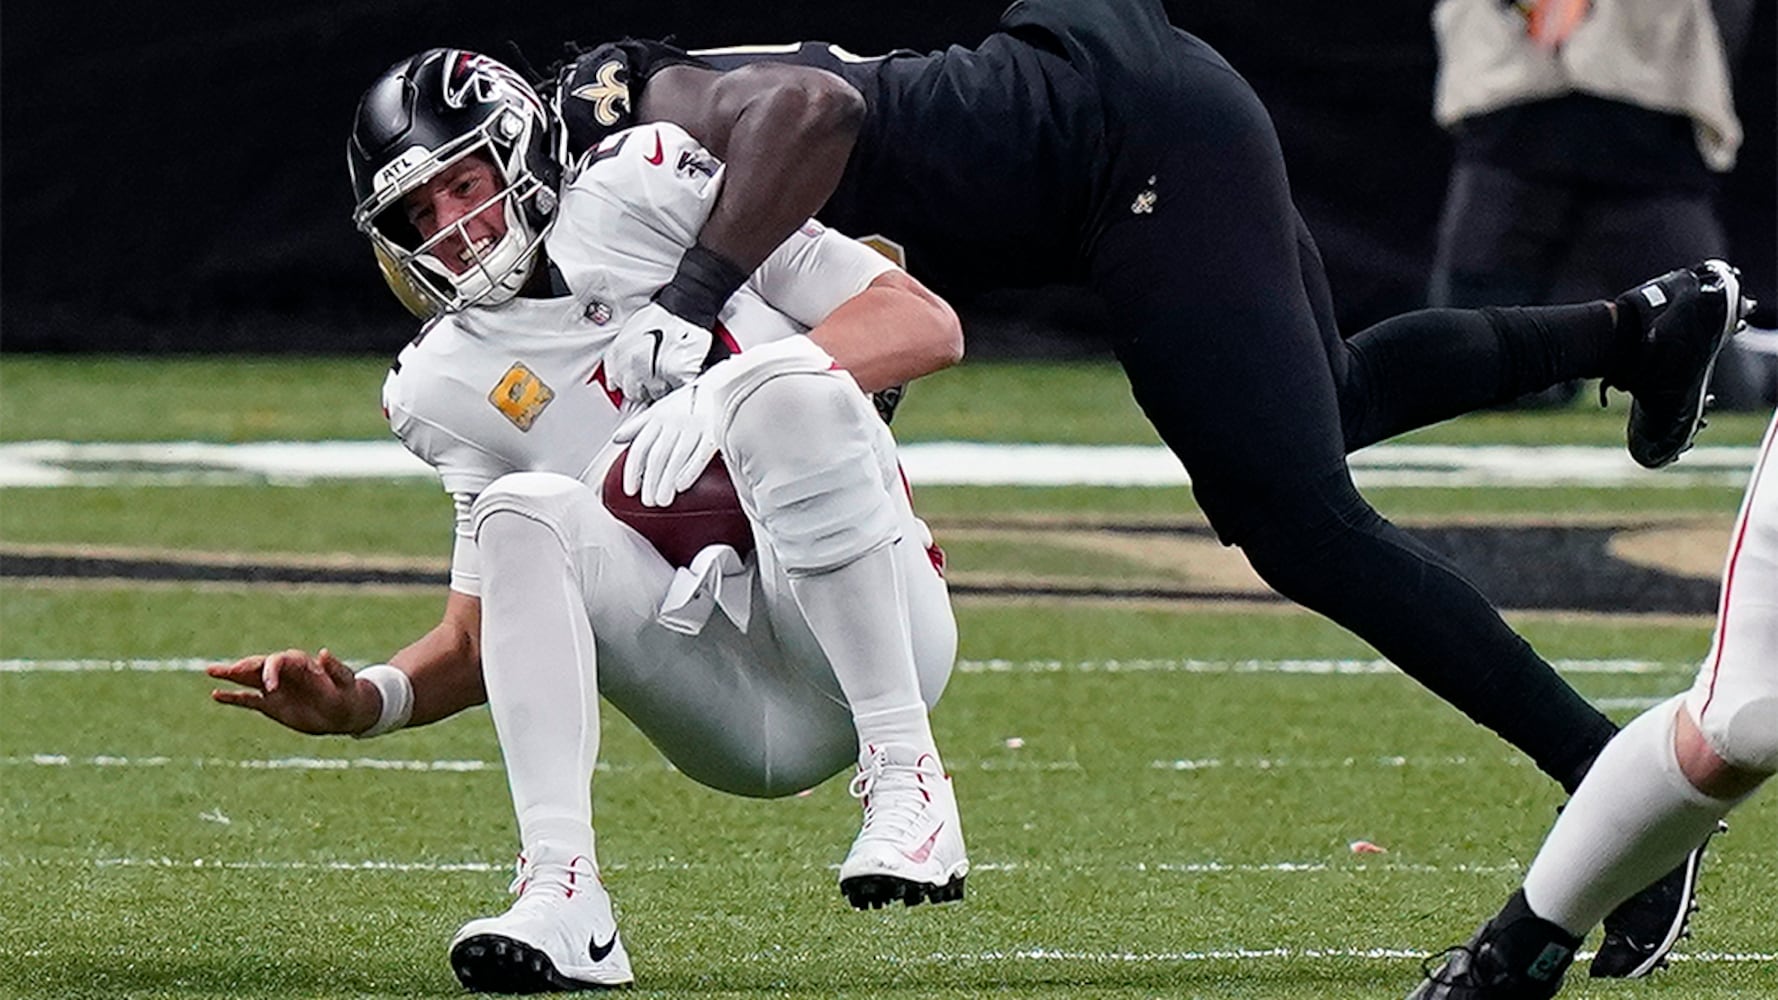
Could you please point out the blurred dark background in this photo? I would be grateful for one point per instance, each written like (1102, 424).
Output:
(172, 177)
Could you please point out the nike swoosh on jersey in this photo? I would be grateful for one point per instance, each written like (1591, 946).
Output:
(659, 154)
(597, 951)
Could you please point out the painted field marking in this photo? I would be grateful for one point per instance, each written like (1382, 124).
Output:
(1246, 955)
(175, 666)
(1037, 954)
(1329, 763)
(1636, 704)
(374, 865)
(1344, 668)
(1326, 668)
(933, 463)
(988, 765)
(446, 766)
(273, 764)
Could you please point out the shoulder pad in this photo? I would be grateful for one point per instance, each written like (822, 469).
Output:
(596, 92)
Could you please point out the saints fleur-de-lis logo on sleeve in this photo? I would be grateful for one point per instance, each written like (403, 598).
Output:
(609, 94)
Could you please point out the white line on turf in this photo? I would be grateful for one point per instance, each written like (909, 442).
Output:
(932, 463)
(1026, 954)
(175, 666)
(1314, 667)
(1244, 954)
(1638, 704)
(1021, 867)
(274, 764)
(1282, 763)
(990, 764)
(1342, 668)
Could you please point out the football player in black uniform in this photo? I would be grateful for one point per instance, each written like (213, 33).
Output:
(1091, 142)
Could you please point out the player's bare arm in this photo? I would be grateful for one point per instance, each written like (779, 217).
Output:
(320, 695)
(785, 132)
(893, 332)
(445, 664)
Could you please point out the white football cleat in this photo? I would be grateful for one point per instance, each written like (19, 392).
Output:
(560, 935)
(911, 846)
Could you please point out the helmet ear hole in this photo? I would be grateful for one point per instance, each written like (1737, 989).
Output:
(395, 227)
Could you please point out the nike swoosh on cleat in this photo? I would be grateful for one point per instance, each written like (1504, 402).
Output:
(659, 155)
(597, 951)
(919, 857)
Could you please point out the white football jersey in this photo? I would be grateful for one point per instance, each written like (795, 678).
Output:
(520, 387)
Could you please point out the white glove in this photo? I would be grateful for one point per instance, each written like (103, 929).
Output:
(655, 352)
(670, 445)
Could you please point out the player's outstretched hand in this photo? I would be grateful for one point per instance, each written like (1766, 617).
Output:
(670, 444)
(655, 352)
(310, 694)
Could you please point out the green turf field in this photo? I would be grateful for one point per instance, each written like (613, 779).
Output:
(1159, 799)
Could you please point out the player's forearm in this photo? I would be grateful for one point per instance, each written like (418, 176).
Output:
(444, 665)
(891, 333)
(785, 133)
(785, 158)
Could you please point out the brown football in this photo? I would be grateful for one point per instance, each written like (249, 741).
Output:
(707, 513)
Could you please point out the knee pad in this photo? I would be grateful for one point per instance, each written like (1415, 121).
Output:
(1744, 733)
(811, 461)
(544, 497)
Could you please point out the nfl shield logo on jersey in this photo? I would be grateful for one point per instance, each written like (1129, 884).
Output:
(598, 313)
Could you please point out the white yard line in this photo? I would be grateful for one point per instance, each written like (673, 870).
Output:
(1041, 869)
(1325, 668)
(1242, 955)
(933, 463)
(273, 764)
(1324, 763)
(177, 666)
(1029, 954)
(1008, 764)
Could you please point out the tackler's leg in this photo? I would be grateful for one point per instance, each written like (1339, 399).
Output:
(1218, 332)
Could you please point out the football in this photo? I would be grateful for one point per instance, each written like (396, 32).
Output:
(707, 513)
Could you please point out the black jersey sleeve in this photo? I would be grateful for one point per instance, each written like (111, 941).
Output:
(596, 91)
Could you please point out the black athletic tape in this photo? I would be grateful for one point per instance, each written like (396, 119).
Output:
(701, 286)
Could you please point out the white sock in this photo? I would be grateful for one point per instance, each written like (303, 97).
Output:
(541, 674)
(859, 616)
(1633, 820)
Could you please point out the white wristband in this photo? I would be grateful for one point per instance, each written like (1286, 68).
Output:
(398, 698)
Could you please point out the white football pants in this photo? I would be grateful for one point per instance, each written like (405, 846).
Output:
(755, 713)
(1735, 697)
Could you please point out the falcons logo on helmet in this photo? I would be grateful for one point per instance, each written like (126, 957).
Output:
(476, 78)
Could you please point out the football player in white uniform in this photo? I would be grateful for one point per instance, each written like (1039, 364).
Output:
(757, 673)
(1658, 790)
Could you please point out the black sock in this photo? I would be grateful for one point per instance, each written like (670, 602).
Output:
(1435, 364)
(1527, 946)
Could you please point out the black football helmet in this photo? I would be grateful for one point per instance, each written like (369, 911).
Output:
(422, 115)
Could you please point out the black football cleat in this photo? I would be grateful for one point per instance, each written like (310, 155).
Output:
(1515, 956)
(1642, 931)
(1677, 325)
